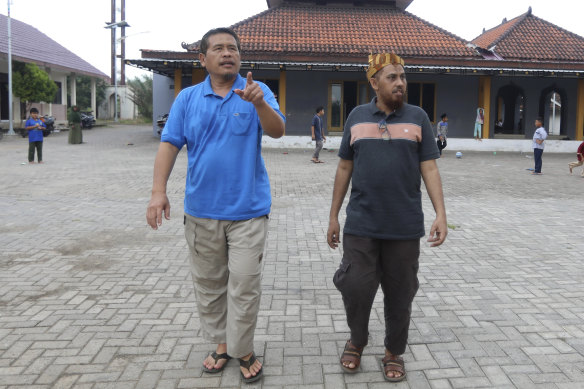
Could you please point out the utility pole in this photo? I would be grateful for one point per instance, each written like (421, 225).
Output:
(123, 47)
(113, 38)
(10, 104)
(113, 25)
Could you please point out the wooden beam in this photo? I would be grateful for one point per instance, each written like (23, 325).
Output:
(198, 76)
(579, 134)
(282, 93)
(485, 102)
(177, 81)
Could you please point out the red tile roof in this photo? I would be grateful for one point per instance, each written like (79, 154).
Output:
(341, 34)
(329, 33)
(486, 39)
(31, 45)
(528, 37)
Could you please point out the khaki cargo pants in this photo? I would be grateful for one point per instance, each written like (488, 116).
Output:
(226, 264)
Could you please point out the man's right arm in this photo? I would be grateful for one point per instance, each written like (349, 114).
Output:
(312, 130)
(341, 185)
(159, 204)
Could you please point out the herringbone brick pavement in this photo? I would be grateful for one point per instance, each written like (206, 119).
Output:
(90, 297)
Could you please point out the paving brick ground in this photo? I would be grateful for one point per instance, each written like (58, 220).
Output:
(90, 297)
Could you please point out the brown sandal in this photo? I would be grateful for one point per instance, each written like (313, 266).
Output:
(394, 364)
(351, 354)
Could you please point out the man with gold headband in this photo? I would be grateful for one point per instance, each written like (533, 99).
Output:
(387, 148)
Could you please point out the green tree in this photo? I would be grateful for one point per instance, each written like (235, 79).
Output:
(141, 88)
(84, 92)
(32, 84)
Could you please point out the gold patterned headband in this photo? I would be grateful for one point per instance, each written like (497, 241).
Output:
(379, 61)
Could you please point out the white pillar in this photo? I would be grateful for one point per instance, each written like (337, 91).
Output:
(64, 89)
(73, 89)
(93, 97)
(16, 113)
(49, 72)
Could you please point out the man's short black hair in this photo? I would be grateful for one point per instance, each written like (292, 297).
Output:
(221, 30)
(319, 108)
(34, 110)
(539, 119)
(443, 116)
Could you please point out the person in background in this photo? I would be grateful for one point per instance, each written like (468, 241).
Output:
(442, 131)
(317, 134)
(227, 195)
(539, 137)
(498, 126)
(580, 161)
(479, 124)
(35, 128)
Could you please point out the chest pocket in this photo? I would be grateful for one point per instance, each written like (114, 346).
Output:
(240, 123)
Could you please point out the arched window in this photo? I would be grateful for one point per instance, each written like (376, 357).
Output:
(554, 113)
(552, 106)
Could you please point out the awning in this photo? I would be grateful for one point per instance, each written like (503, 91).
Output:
(168, 66)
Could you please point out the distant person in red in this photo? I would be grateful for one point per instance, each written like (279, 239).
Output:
(35, 128)
(580, 161)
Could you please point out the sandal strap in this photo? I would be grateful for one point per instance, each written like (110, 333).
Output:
(393, 365)
(217, 357)
(352, 354)
(247, 364)
(349, 348)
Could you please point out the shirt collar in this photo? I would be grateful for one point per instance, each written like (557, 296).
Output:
(208, 89)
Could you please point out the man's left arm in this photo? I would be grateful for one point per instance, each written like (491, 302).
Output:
(272, 123)
(433, 182)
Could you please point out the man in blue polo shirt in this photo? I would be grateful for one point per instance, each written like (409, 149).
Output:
(387, 148)
(227, 195)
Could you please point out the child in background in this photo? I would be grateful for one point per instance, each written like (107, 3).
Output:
(35, 129)
(580, 161)
(479, 124)
(442, 130)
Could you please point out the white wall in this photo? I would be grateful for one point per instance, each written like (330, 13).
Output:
(128, 110)
(454, 144)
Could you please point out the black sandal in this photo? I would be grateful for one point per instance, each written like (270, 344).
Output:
(217, 357)
(246, 365)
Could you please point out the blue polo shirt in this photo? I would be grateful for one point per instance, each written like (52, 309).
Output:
(34, 135)
(226, 176)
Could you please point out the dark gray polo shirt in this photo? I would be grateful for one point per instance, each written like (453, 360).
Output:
(386, 200)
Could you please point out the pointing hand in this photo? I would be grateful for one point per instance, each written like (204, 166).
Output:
(252, 92)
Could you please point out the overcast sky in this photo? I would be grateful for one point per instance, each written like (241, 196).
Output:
(79, 24)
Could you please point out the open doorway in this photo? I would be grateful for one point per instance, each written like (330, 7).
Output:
(510, 111)
(350, 97)
(344, 96)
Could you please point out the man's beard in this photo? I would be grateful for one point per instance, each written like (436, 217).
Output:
(397, 104)
(394, 103)
(228, 76)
